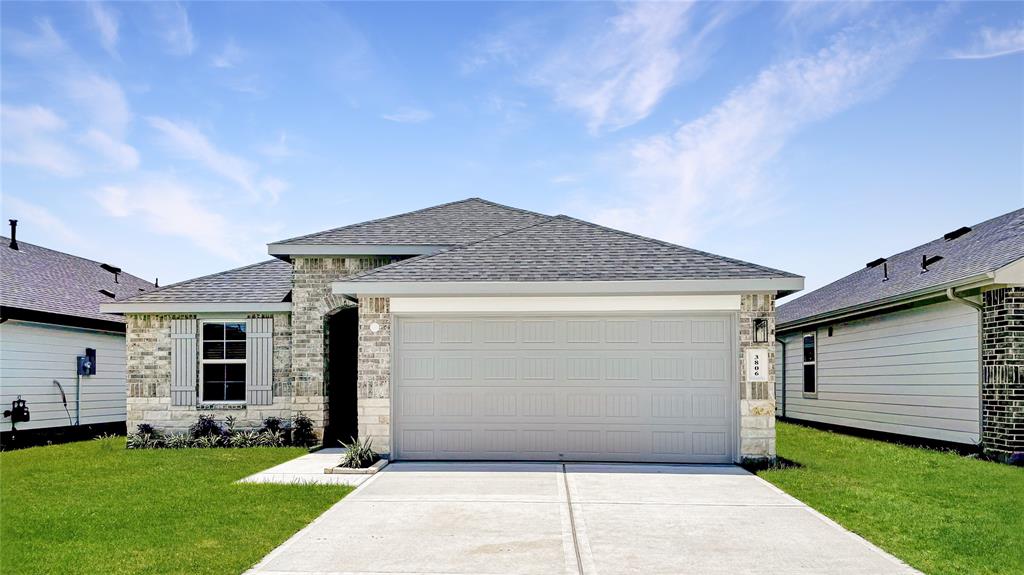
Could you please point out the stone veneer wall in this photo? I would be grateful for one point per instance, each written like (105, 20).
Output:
(312, 302)
(148, 341)
(374, 380)
(1002, 374)
(757, 399)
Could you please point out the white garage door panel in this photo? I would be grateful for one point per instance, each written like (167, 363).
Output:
(635, 388)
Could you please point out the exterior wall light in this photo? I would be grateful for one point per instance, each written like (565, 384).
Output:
(760, 330)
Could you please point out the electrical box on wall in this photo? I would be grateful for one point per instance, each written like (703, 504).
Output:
(87, 362)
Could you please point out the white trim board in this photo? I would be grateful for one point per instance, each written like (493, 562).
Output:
(194, 307)
(565, 304)
(564, 288)
(352, 249)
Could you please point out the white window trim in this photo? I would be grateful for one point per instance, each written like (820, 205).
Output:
(804, 364)
(202, 362)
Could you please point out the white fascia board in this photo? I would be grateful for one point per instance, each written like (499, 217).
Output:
(665, 287)
(351, 249)
(565, 304)
(194, 307)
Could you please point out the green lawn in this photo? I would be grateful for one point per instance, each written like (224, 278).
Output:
(95, 507)
(939, 512)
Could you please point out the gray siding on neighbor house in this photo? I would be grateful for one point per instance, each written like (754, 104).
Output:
(33, 355)
(912, 372)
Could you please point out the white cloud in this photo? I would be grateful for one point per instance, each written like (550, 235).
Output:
(39, 219)
(119, 154)
(176, 28)
(278, 149)
(104, 18)
(170, 208)
(229, 57)
(102, 98)
(716, 168)
(992, 43)
(33, 136)
(408, 115)
(189, 142)
(615, 76)
(47, 43)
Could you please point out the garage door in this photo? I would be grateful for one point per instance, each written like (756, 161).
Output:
(614, 388)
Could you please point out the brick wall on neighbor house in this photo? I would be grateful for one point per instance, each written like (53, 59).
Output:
(757, 399)
(148, 372)
(374, 379)
(312, 302)
(1002, 374)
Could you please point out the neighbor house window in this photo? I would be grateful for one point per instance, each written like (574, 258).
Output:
(223, 361)
(810, 365)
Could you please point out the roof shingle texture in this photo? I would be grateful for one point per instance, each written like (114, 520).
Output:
(989, 246)
(561, 248)
(264, 282)
(40, 279)
(449, 224)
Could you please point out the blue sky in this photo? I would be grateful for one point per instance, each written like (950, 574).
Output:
(176, 140)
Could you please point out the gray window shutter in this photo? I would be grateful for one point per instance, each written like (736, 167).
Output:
(259, 361)
(184, 356)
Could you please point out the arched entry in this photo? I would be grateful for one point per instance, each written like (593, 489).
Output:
(343, 345)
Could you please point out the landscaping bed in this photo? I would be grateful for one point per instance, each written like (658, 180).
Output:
(941, 512)
(96, 507)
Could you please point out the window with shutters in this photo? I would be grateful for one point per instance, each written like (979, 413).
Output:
(223, 355)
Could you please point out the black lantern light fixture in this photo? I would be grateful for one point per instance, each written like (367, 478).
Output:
(760, 330)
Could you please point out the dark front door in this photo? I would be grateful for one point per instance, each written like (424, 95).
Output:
(341, 384)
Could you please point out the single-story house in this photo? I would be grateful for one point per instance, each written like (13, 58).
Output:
(49, 318)
(927, 343)
(473, 330)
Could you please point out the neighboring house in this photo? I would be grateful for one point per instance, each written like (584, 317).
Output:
(927, 343)
(473, 330)
(49, 316)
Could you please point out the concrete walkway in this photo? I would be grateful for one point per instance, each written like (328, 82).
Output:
(307, 469)
(549, 518)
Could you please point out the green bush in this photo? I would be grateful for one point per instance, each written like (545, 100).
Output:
(359, 454)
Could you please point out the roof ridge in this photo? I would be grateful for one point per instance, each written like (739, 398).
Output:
(77, 257)
(195, 279)
(676, 246)
(456, 248)
(404, 214)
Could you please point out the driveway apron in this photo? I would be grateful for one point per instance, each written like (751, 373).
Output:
(526, 518)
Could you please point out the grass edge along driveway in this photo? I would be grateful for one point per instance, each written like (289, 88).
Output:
(939, 512)
(95, 507)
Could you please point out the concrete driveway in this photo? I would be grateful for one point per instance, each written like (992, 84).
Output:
(578, 518)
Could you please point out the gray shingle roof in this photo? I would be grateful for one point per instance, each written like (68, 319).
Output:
(989, 246)
(40, 279)
(265, 282)
(449, 224)
(566, 249)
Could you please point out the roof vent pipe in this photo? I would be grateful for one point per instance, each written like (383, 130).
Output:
(885, 271)
(14, 234)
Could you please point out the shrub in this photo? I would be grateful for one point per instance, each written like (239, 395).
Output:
(177, 441)
(207, 441)
(270, 439)
(244, 438)
(359, 454)
(142, 441)
(272, 424)
(206, 426)
(302, 431)
(145, 428)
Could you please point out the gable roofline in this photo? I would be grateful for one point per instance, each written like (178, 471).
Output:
(4, 240)
(135, 298)
(300, 245)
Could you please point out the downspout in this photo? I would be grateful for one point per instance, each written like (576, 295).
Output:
(783, 342)
(951, 296)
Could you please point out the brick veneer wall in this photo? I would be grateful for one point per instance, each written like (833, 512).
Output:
(148, 367)
(312, 302)
(1002, 374)
(757, 399)
(374, 380)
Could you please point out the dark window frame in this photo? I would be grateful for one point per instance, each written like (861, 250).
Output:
(206, 359)
(810, 364)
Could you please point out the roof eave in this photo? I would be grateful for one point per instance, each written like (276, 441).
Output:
(867, 308)
(508, 288)
(285, 250)
(195, 307)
